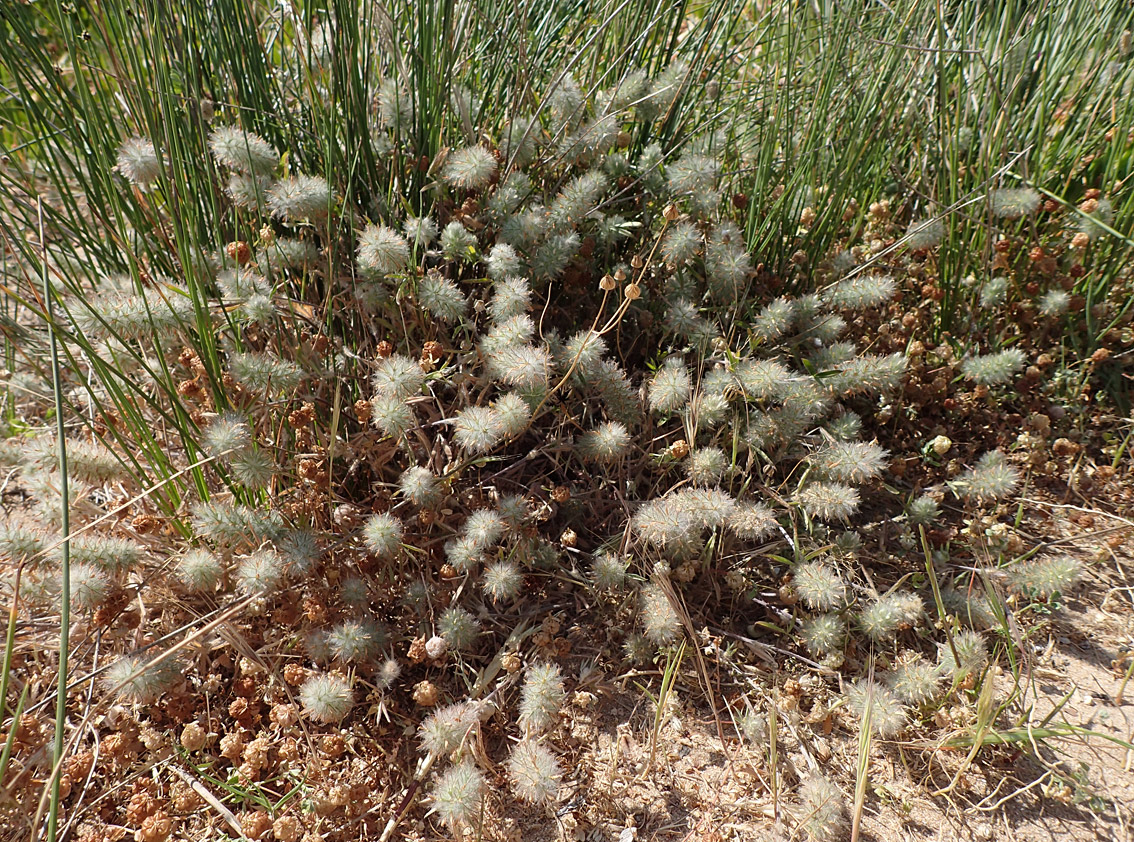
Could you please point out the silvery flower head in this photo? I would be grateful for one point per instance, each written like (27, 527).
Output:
(243, 151)
(138, 162)
(300, 197)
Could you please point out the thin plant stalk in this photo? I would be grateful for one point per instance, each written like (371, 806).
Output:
(65, 568)
(669, 678)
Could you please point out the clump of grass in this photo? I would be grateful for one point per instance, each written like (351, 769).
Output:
(446, 352)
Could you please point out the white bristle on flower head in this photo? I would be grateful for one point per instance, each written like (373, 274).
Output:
(138, 162)
(326, 698)
(382, 251)
(478, 429)
(535, 772)
(300, 197)
(244, 151)
(471, 168)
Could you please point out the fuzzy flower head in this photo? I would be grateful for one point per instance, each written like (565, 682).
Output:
(1044, 577)
(199, 570)
(420, 231)
(298, 198)
(608, 571)
(535, 772)
(108, 553)
(965, 654)
(819, 587)
(441, 297)
(514, 414)
(850, 461)
(541, 697)
(660, 621)
(828, 501)
(752, 521)
(471, 168)
(521, 365)
(457, 795)
(484, 528)
(860, 292)
(774, 320)
(260, 573)
(692, 174)
(243, 151)
(1095, 223)
(503, 262)
(352, 641)
(923, 510)
(397, 376)
(445, 729)
(265, 373)
(925, 234)
(993, 369)
(134, 680)
(138, 162)
(478, 429)
(388, 673)
(666, 522)
(608, 442)
(249, 192)
(502, 581)
(823, 810)
(457, 242)
(887, 616)
(511, 297)
(681, 244)
(670, 388)
(824, 634)
(993, 478)
(877, 707)
(420, 487)
(706, 465)
(253, 468)
(326, 698)
(914, 680)
(459, 628)
(382, 251)
(1054, 303)
(391, 415)
(383, 535)
(994, 293)
(1014, 202)
(89, 586)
